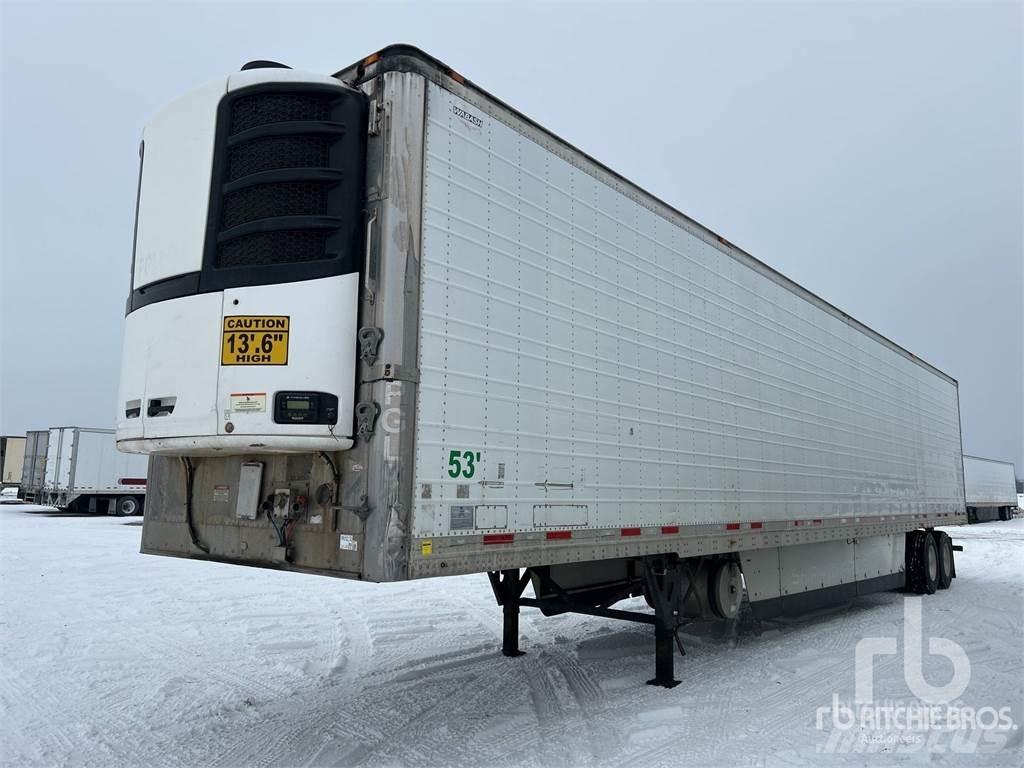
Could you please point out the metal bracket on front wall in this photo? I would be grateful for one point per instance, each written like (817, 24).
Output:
(361, 510)
(369, 342)
(366, 417)
(393, 372)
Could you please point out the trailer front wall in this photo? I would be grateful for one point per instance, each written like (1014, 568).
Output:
(989, 483)
(588, 363)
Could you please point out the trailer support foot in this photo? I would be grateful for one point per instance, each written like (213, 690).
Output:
(664, 654)
(663, 583)
(508, 587)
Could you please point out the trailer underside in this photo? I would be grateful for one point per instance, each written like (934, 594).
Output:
(685, 590)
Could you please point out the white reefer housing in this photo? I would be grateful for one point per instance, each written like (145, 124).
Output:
(537, 364)
(224, 270)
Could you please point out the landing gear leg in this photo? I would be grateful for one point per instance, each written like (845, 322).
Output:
(663, 583)
(508, 587)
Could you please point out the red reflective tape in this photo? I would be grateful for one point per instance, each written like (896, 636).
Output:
(670, 529)
(132, 481)
(499, 538)
(757, 525)
(732, 526)
(630, 531)
(559, 534)
(817, 522)
(797, 522)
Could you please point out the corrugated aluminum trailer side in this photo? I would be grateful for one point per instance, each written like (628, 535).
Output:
(990, 488)
(33, 471)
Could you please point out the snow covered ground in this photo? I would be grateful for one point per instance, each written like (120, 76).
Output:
(113, 658)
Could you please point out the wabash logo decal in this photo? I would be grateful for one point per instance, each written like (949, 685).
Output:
(469, 118)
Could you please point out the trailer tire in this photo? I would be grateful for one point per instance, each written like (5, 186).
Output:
(128, 505)
(947, 567)
(922, 563)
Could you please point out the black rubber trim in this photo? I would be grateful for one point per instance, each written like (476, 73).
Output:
(306, 128)
(285, 175)
(135, 226)
(263, 64)
(276, 223)
(164, 290)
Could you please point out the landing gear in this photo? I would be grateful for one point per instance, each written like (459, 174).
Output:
(662, 580)
(508, 589)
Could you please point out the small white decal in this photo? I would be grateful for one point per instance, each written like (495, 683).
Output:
(253, 402)
(348, 543)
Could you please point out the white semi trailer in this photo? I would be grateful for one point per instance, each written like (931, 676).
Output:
(384, 327)
(85, 473)
(990, 487)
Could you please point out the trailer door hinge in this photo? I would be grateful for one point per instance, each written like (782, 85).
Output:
(366, 417)
(369, 342)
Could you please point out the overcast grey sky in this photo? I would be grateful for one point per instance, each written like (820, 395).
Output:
(872, 152)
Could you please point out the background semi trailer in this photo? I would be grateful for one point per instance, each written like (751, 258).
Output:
(86, 473)
(990, 487)
(384, 327)
(33, 470)
(12, 459)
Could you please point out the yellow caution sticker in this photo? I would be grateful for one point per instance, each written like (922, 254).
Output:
(427, 548)
(255, 340)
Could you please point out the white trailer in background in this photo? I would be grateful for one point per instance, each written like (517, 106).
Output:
(12, 460)
(86, 473)
(384, 327)
(990, 487)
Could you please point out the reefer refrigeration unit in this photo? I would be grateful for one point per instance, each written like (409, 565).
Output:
(990, 487)
(382, 326)
(86, 473)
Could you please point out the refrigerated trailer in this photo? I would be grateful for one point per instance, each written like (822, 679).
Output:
(86, 473)
(382, 326)
(990, 488)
